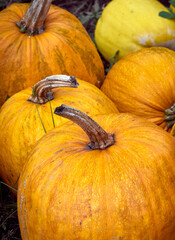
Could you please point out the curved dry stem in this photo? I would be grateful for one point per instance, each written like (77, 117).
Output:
(99, 139)
(42, 91)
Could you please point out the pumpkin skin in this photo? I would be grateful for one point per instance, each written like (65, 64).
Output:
(173, 131)
(80, 193)
(143, 83)
(21, 127)
(63, 48)
(127, 26)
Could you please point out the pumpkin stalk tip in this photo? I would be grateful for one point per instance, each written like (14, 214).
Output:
(42, 91)
(59, 109)
(99, 139)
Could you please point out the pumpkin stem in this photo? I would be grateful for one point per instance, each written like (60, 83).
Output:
(42, 93)
(33, 21)
(170, 116)
(99, 139)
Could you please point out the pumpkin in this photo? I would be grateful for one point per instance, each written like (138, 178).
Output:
(112, 178)
(143, 83)
(27, 116)
(173, 130)
(40, 41)
(126, 26)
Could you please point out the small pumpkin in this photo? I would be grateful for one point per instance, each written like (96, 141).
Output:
(126, 26)
(143, 83)
(27, 116)
(40, 39)
(92, 183)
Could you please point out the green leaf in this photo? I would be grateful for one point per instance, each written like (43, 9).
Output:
(52, 114)
(96, 6)
(8, 186)
(7, 97)
(167, 15)
(41, 119)
(172, 2)
(114, 58)
(112, 61)
(171, 11)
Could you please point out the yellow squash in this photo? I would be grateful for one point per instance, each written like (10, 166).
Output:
(126, 26)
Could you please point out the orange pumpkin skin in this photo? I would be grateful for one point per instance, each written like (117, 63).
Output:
(21, 127)
(63, 48)
(127, 191)
(173, 131)
(143, 83)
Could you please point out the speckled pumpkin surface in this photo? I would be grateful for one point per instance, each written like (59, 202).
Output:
(63, 48)
(143, 83)
(126, 191)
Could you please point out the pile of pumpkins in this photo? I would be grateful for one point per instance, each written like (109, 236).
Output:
(92, 156)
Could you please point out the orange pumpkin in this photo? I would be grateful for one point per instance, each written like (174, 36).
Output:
(40, 41)
(23, 122)
(173, 130)
(143, 83)
(121, 184)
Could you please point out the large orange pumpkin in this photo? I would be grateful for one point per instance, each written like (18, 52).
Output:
(120, 185)
(43, 41)
(23, 122)
(143, 83)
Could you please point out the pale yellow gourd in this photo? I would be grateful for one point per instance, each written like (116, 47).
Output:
(126, 26)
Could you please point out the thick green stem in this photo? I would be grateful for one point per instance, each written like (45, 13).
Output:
(99, 139)
(42, 91)
(170, 116)
(33, 21)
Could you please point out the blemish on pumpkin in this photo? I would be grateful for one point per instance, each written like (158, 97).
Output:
(24, 184)
(60, 150)
(21, 203)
